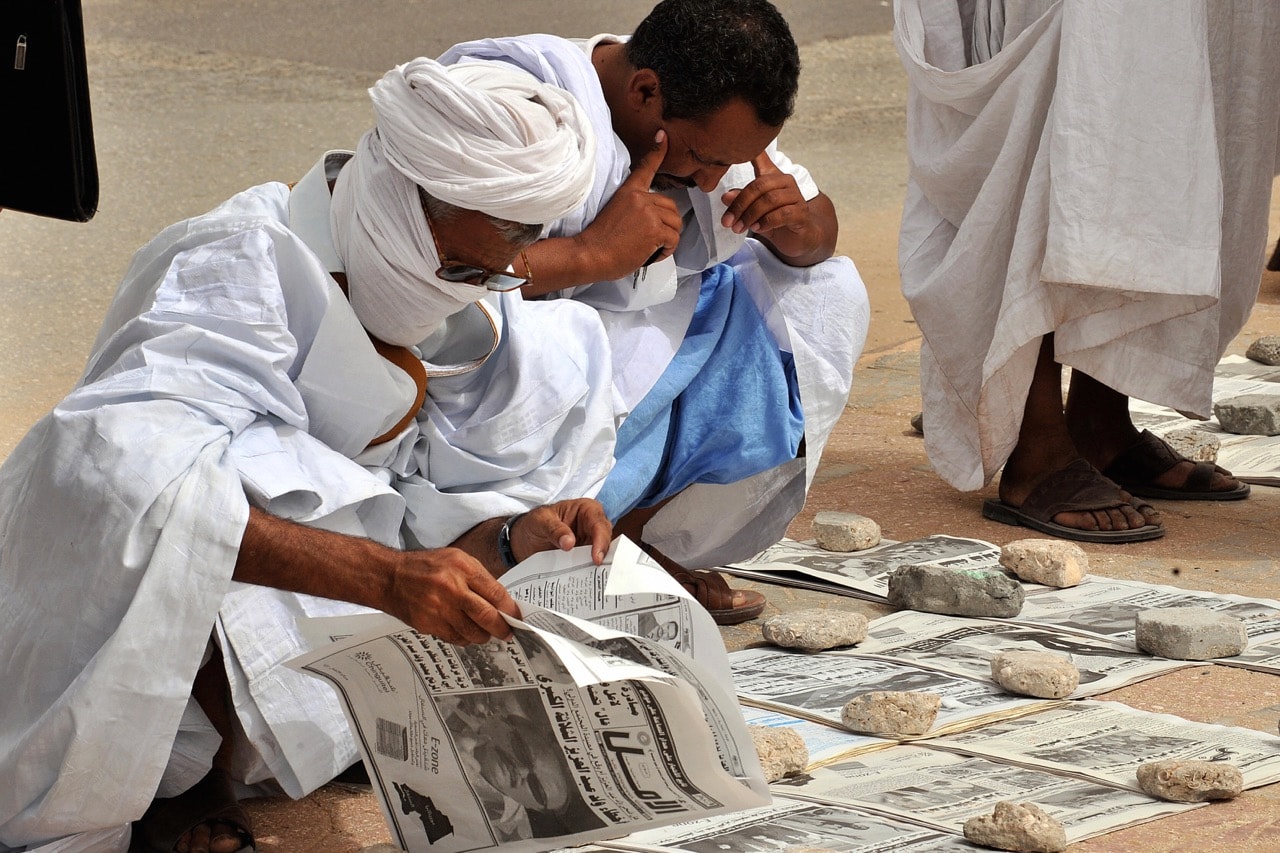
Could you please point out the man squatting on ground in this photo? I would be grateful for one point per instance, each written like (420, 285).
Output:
(708, 256)
(248, 444)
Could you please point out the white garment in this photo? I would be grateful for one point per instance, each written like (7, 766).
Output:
(229, 364)
(1104, 176)
(818, 313)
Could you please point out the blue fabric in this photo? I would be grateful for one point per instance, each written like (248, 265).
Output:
(727, 407)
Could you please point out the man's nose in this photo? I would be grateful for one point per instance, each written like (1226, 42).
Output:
(708, 177)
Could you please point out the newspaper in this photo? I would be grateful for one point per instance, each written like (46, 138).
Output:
(965, 647)
(816, 686)
(863, 574)
(943, 790)
(1106, 741)
(1252, 458)
(825, 743)
(788, 823)
(568, 733)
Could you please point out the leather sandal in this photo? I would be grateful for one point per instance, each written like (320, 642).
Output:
(712, 591)
(1137, 467)
(211, 801)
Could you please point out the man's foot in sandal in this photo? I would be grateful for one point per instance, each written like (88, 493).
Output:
(206, 818)
(726, 605)
(1150, 468)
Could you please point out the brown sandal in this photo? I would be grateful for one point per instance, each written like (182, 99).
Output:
(211, 801)
(712, 591)
(1137, 467)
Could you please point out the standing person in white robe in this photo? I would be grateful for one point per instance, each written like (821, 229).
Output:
(227, 463)
(709, 255)
(1090, 182)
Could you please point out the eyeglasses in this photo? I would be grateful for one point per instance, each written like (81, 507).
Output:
(460, 273)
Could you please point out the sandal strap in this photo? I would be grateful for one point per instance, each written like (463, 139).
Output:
(1144, 460)
(1077, 487)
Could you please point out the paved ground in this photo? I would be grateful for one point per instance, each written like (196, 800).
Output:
(199, 99)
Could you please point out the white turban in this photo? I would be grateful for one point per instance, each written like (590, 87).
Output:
(483, 136)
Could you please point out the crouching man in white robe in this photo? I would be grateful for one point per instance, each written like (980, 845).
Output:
(228, 462)
(709, 255)
(1090, 181)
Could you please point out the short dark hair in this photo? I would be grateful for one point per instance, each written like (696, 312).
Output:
(708, 52)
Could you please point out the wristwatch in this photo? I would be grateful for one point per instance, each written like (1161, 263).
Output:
(505, 553)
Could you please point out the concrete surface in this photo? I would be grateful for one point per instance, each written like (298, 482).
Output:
(197, 99)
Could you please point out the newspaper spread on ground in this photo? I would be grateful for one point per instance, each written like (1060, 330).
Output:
(965, 647)
(943, 790)
(1252, 458)
(569, 732)
(788, 823)
(816, 686)
(863, 574)
(1106, 741)
(824, 742)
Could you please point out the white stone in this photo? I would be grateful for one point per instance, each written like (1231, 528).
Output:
(891, 713)
(782, 751)
(1193, 443)
(1023, 827)
(1190, 781)
(1044, 675)
(815, 629)
(845, 531)
(1189, 633)
(1249, 414)
(1051, 562)
(1265, 349)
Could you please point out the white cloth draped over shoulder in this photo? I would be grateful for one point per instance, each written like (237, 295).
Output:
(231, 369)
(1099, 169)
(818, 313)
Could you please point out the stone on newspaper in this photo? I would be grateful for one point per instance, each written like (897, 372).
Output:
(845, 531)
(1044, 675)
(891, 712)
(782, 751)
(1265, 349)
(815, 629)
(1023, 827)
(955, 592)
(1052, 562)
(1195, 444)
(1190, 781)
(1249, 414)
(1190, 633)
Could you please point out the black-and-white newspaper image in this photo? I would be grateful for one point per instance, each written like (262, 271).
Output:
(1107, 741)
(965, 647)
(817, 686)
(863, 574)
(539, 741)
(943, 790)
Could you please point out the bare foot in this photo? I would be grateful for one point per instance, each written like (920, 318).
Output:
(211, 837)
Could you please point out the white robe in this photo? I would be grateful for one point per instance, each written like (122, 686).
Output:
(818, 313)
(1104, 175)
(231, 369)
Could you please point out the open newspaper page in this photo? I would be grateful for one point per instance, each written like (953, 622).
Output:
(538, 742)
(965, 647)
(790, 823)
(862, 574)
(1107, 741)
(943, 790)
(824, 742)
(1107, 608)
(1252, 458)
(817, 686)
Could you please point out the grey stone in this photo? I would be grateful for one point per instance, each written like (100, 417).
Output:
(891, 713)
(815, 629)
(1249, 414)
(1189, 633)
(1265, 349)
(845, 531)
(963, 592)
(1190, 781)
(917, 422)
(1023, 827)
(782, 751)
(1051, 562)
(1193, 443)
(1044, 675)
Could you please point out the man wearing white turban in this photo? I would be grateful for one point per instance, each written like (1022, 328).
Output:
(232, 454)
(709, 256)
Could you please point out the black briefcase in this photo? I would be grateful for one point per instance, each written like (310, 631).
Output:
(47, 162)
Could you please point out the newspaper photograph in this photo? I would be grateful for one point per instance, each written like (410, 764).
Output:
(1106, 741)
(863, 574)
(1107, 608)
(965, 647)
(816, 686)
(790, 823)
(824, 742)
(943, 790)
(540, 741)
